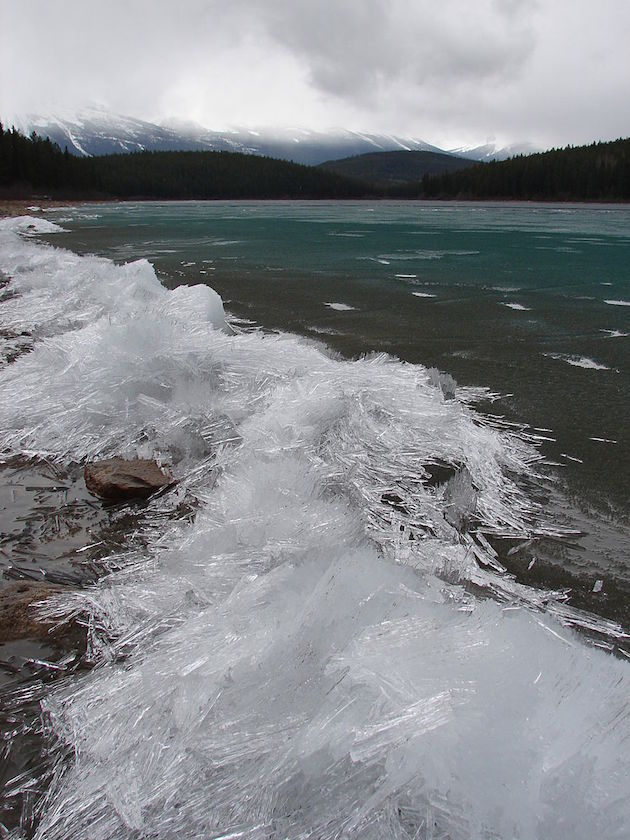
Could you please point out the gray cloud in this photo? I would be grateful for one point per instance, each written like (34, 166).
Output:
(550, 71)
(353, 46)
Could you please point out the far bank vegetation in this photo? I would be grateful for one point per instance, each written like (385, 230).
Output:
(34, 165)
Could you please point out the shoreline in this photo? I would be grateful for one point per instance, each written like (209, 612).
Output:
(555, 576)
(604, 519)
(10, 207)
(550, 573)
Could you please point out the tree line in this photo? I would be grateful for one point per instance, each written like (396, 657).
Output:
(34, 163)
(599, 172)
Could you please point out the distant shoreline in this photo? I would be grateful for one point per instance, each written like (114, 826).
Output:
(20, 207)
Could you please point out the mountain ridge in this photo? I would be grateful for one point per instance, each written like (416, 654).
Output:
(95, 131)
(599, 172)
(386, 169)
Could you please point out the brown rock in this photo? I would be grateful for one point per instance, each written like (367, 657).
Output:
(18, 616)
(116, 480)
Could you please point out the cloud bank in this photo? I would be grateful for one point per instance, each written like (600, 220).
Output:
(452, 72)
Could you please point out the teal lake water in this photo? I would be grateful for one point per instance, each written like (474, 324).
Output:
(532, 301)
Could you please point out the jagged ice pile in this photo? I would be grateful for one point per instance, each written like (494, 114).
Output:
(331, 648)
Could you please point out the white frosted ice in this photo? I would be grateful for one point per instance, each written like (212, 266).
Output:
(578, 361)
(28, 225)
(586, 362)
(292, 663)
(571, 458)
(58, 292)
(340, 307)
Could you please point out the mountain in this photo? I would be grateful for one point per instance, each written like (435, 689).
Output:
(387, 168)
(30, 165)
(297, 144)
(490, 151)
(95, 131)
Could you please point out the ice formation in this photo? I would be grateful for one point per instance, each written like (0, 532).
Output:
(331, 648)
(340, 307)
(578, 361)
(518, 306)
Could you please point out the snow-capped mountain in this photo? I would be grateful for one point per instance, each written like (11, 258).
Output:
(490, 151)
(298, 144)
(95, 131)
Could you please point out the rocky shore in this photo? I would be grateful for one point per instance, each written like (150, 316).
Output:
(58, 524)
(25, 207)
(54, 540)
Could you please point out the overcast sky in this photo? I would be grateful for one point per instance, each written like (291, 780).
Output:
(452, 72)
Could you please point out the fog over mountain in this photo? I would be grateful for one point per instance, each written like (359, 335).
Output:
(95, 131)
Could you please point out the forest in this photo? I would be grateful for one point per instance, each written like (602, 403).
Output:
(31, 165)
(34, 165)
(599, 172)
(392, 168)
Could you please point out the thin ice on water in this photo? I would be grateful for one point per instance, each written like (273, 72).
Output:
(332, 647)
